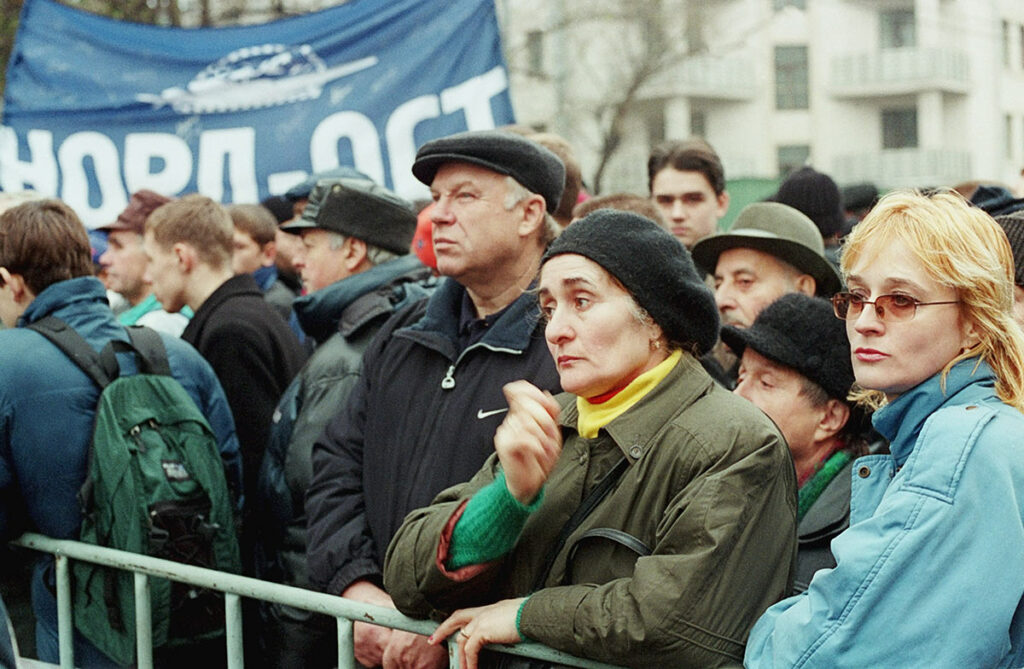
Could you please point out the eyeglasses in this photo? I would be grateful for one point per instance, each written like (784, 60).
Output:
(889, 308)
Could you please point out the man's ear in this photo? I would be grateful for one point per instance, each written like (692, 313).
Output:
(833, 418)
(269, 253)
(806, 285)
(187, 256)
(533, 216)
(355, 254)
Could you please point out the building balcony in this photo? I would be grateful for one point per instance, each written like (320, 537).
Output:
(729, 78)
(899, 72)
(904, 168)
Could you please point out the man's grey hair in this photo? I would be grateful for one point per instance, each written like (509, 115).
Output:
(374, 254)
(516, 193)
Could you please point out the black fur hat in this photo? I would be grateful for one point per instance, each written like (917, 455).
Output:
(802, 333)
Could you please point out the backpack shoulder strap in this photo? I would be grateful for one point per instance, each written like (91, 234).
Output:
(150, 349)
(64, 337)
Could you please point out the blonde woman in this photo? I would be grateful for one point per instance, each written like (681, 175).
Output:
(931, 571)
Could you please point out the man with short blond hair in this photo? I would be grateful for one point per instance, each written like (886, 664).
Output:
(250, 347)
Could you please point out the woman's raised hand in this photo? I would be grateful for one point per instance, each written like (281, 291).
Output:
(528, 441)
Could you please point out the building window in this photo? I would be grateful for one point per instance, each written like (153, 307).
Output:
(898, 29)
(535, 52)
(698, 123)
(899, 128)
(782, 4)
(791, 82)
(792, 158)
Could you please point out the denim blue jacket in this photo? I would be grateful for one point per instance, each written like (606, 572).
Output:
(930, 572)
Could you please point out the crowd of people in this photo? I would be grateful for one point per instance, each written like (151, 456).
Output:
(599, 423)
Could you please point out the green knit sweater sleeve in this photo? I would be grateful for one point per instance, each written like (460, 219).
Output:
(489, 525)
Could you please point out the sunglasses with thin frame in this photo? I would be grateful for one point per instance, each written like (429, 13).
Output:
(891, 308)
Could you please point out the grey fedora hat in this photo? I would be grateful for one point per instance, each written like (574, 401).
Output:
(778, 230)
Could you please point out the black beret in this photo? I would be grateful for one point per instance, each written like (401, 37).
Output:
(361, 209)
(535, 167)
(653, 266)
(802, 333)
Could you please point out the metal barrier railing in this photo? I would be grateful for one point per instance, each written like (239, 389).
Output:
(234, 587)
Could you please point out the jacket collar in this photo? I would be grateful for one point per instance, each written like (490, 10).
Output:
(60, 295)
(686, 383)
(513, 331)
(320, 313)
(901, 420)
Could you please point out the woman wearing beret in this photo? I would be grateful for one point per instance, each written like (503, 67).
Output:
(691, 529)
(930, 572)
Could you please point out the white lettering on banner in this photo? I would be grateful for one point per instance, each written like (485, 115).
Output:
(225, 159)
(237, 148)
(359, 130)
(473, 96)
(38, 172)
(401, 141)
(141, 149)
(100, 150)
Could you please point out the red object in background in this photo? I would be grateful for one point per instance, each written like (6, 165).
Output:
(422, 242)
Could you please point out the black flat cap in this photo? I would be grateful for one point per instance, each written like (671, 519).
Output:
(361, 209)
(535, 167)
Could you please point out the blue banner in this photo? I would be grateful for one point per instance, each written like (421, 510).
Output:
(95, 109)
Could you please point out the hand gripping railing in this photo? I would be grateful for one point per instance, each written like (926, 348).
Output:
(234, 587)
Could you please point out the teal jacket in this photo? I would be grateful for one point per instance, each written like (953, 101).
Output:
(930, 572)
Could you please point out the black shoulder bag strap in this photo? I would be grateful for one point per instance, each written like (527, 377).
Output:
(598, 493)
(73, 345)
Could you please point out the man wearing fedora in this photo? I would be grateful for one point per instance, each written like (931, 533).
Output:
(423, 413)
(357, 271)
(770, 251)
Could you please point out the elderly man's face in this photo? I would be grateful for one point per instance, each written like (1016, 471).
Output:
(747, 281)
(474, 234)
(778, 391)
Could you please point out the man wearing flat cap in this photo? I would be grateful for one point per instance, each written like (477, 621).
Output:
(771, 250)
(357, 271)
(422, 415)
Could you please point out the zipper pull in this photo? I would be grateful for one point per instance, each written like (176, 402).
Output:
(448, 382)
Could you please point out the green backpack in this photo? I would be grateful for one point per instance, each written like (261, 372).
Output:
(155, 486)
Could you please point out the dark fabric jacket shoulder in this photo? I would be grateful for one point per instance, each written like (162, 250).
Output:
(713, 500)
(343, 317)
(420, 418)
(255, 356)
(824, 521)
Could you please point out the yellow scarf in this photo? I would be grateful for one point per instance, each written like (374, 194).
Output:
(595, 416)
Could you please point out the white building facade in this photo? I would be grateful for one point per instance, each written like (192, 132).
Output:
(894, 92)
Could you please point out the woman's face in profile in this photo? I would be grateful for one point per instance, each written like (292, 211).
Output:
(594, 333)
(893, 353)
